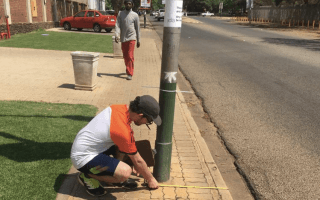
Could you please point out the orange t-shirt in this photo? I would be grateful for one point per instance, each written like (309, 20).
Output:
(121, 132)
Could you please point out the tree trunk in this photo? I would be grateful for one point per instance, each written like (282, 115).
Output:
(117, 4)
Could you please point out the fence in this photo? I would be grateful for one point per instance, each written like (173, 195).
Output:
(304, 16)
(275, 14)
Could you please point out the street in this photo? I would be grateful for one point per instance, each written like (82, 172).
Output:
(261, 91)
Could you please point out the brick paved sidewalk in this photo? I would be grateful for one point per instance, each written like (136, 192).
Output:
(43, 75)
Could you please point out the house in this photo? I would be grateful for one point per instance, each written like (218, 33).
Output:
(97, 4)
(28, 15)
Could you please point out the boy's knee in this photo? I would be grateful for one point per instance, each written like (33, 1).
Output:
(127, 172)
(124, 171)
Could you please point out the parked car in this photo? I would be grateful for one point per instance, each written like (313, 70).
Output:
(107, 12)
(91, 19)
(152, 13)
(207, 14)
(160, 14)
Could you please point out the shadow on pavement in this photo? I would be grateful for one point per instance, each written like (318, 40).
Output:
(66, 183)
(59, 181)
(67, 85)
(114, 75)
(61, 29)
(108, 56)
(313, 45)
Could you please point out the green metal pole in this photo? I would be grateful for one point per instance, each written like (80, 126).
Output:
(164, 134)
(168, 83)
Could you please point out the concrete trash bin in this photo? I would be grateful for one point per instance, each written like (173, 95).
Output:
(117, 52)
(85, 65)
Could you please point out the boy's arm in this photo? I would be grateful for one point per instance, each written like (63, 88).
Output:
(141, 166)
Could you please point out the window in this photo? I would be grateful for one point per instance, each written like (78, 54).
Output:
(107, 12)
(97, 14)
(90, 14)
(80, 14)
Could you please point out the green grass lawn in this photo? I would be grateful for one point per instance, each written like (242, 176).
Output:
(35, 144)
(61, 41)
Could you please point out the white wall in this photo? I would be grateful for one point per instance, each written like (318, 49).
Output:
(96, 4)
(7, 10)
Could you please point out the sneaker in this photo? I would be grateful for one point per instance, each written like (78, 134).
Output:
(92, 186)
(128, 184)
(129, 77)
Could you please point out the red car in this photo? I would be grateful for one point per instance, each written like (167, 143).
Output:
(90, 19)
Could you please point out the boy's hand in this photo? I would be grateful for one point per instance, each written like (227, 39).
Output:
(135, 171)
(153, 184)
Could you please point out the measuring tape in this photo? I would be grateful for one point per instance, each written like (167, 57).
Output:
(185, 186)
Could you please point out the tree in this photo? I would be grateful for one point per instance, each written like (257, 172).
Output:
(278, 3)
(213, 5)
(109, 5)
(118, 5)
(156, 4)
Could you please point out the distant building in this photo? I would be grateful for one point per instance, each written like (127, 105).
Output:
(97, 4)
(28, 15)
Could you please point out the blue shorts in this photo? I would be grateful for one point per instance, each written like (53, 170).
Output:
(103, 160)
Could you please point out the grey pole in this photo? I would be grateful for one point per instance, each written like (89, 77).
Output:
(249, 13)
(65, 8)
(144, 18)
(55, 13)
(168, 82)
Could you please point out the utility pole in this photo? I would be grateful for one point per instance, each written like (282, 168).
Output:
(55, 13)
(65, 8)
(220, 8)
(249, 13)
(144, 18)
(168, 82)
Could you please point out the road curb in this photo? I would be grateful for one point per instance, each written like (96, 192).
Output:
(204, 150)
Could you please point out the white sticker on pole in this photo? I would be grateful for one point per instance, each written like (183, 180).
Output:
(173, 16)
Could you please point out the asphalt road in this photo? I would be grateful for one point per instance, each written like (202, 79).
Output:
(261, 90)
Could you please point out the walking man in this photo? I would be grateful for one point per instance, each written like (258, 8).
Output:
(110, 130)
(128, 27)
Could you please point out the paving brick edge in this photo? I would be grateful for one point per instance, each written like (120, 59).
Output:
(201, 144)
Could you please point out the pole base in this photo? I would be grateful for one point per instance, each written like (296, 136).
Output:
(84, 87)
(161, 170)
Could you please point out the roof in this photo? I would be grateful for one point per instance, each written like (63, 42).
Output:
(81, 1)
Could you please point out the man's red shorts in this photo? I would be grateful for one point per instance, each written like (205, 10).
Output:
(128, 55)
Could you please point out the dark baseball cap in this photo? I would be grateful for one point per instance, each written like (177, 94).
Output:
(150, 107)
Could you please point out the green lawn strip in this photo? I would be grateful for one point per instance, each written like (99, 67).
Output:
(35, 144)
(61, 41)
